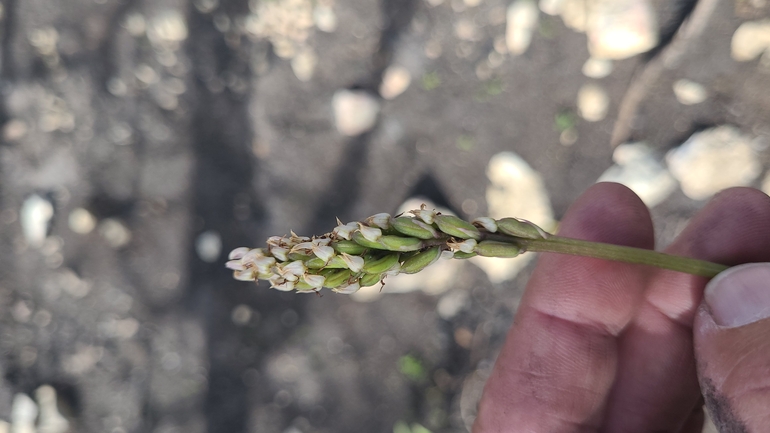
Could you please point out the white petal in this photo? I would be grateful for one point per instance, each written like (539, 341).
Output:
(279, 253)
(315, 281)
(488, 223)
(276, 280)
(324, 253)
(287, 286)
(425, 215)
(354, 263)
(446, 254)
(344, 230)
(392, 272)
(308, 291)
(305, 248)
(235, 265)
(263, 264)
(274, 241)
(467, 245)
(347, 290)
(252, 256)
(296, 267)
(381, 220)
(371, 234)
(322, 242)
(238, 253)
(247, 275)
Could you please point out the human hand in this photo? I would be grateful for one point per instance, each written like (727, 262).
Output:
(611, 347)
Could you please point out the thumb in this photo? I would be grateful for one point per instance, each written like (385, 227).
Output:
(732, 348)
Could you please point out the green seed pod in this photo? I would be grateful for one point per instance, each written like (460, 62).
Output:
(399, 243)
(420, 260)
(389, 243)
(380, 265)
(497, 249)
(300, 285)
(456, 227)
(370, 279)
(414, 227)
(298, 256)
(348, 247)
(518, 228)
(358, 238)
(336, 262)
(462, 255)
(335, 278)
(315, 263)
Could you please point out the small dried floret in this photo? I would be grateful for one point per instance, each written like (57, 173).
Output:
(371, 234)
(344, 231)
(237, 253)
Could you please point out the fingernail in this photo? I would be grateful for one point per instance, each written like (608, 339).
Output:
(740, 295)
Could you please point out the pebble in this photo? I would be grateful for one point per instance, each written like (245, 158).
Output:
(515, 190)
(50, 420)
(750, 40)
(618, 29)
(208, 246)
(23, 414)
(324, 18)
(304, 63)
(452, 303)
(637, 168)
(355, 111)
(521, 21)
(395, 81)
(36, 214)
(551, 7)
(597, 68)
(81, 221)
(592, 102)
(689, 92)
(114, 232)
(241, 314)
(574, 13)
(712, 160)
(167, 27)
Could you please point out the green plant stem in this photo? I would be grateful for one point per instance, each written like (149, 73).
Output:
(562, 245)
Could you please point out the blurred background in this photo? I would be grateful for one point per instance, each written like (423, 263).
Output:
(141, 140)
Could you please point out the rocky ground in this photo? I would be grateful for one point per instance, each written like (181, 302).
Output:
(143, 139)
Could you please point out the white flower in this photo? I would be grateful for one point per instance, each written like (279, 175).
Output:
(315, 281)
(245, 275)
(296, 267)
(425, 215)
(279, 253)
(286, 286)
(354, 263)
(252, 256)
(263, 264)
(371, 234)
(344, 230)
(347, 289)
(488, 223)
(381, 220)
(235, 265)
(322, 242)
(238, 253)
(465, 246)
(323, 252)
